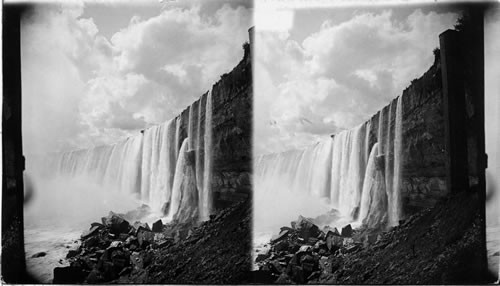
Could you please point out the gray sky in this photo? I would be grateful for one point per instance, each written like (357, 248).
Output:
(333, 68)
(96, 73)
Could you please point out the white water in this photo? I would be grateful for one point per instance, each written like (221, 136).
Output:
(143, 166)
(339, 173)
(73, 189)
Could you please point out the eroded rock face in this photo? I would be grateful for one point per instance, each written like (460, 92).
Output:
(423, 149)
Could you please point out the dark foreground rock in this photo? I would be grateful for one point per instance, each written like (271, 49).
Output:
(212, 252)
(435, 246)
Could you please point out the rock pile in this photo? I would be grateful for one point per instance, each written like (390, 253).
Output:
(439, 245)
(216, 251)
(111, 248)
(302, 252)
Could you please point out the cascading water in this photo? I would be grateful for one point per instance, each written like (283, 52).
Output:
(206, 208)
(151, 166)
(358, 175)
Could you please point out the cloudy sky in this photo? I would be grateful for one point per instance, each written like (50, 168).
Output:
(96, 73)
(320, 71)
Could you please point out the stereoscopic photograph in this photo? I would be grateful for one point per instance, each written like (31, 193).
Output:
(250, 142)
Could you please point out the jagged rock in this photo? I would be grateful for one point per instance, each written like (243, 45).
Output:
(333, 242)
(90, 242)
(306, 228)
(68, 275)
(280, 236)
(100, 225)
(346, 231)
(320, 244)
(158, 226)
(72, 253)
(116, 223)
(312, 240)
(145, 237)
(123, 236)
(115, 244)
(333, 230)
(305, 249)
(139, 225)
(93, 230)
(281, 246)
(39, 254)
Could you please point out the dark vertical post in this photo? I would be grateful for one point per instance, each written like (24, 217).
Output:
(457, 178)
(13, 260)
(475, 57)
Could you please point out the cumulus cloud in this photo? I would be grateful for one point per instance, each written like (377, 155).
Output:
(338, 76)
(81, 88)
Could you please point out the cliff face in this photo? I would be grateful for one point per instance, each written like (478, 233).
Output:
(231, 132)
(423, 141)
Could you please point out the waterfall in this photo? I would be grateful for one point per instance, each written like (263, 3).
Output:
(180, 172)
(359, 178)
(207, 178)
(163, 167)
(398, 153)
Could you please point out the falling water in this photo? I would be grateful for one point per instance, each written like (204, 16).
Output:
(180, 172)
(207, 192)
(147, 165)
(398, 153)
(355, 176)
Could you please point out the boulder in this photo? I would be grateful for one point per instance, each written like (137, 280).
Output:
(115, 244)
(39, 254)
(145, 237)
(139, 225)
(116, 223)
(280, 236)
(100, 225)
(92, 231)
(306, 228)
(312, 240)
(158, 226)
(281, 246)
(333, 230)
(346, 231)
(72, 253)
(304, 249)
(333, 242)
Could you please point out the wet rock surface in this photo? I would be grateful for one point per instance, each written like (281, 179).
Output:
(438, 245)
(213, 252)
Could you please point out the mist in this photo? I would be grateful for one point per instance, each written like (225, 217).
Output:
(72, 202)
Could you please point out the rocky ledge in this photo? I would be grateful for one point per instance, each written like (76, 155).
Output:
(115, 251)
(439, 245)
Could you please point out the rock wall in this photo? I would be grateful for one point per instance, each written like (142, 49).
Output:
(423, 146)
(231, 132)
(425, 155)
